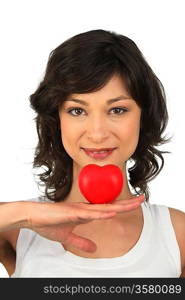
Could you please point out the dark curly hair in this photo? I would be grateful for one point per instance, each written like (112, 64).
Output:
(82, 64)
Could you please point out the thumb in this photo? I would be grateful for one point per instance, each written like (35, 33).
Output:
(80, 243)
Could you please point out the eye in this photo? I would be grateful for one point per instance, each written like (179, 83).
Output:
(77, 109)
(74, 109)
(122, 109)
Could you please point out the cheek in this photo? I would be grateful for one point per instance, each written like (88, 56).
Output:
(130, 137)
(129, 130)
(65, 134)
(69, 136)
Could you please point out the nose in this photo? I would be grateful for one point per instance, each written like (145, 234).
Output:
(97, 129)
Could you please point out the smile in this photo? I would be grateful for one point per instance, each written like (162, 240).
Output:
(98, 154)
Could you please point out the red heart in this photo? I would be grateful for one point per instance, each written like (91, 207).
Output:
(100, 184)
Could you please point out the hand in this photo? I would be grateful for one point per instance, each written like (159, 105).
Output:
(56, 221)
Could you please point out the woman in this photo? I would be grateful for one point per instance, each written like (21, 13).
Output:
(98, 95)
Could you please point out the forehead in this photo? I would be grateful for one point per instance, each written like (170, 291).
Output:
(114, 88)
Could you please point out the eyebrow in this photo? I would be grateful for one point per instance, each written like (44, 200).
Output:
(121, 97)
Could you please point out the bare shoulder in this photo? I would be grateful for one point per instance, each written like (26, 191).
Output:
(178, 222)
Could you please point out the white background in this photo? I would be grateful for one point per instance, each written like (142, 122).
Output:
(30, 30)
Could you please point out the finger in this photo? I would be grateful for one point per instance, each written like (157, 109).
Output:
(80, 243)
(131, 206)
(119, 207)
(140, 198)
(112, 205)
(85, 215)
(88, 216)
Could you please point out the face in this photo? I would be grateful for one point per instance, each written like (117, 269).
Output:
(93, 120)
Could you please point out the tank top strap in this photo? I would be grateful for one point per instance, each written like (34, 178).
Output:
(164, 227)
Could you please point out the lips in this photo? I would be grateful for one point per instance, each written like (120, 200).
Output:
(98, 153)
(98, 150)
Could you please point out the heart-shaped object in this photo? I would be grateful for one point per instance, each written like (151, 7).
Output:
(100, 184)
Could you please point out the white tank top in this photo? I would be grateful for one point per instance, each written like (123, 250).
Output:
(156, 253)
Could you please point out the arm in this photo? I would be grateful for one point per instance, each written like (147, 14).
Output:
(13, 215)
(183, 273)
(178, 221)
(56, 221)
